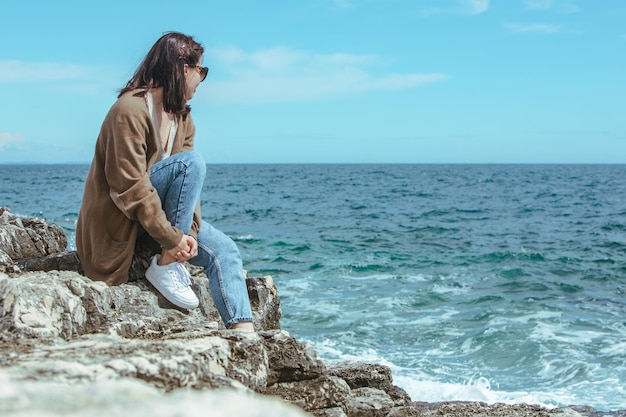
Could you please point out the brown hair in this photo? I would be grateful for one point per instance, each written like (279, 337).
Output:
(164, 67)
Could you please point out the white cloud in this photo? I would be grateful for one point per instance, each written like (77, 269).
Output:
(280, 59)
(283, 75)
(471, 7)
(19, 71)
(536, 28)
(7, 139)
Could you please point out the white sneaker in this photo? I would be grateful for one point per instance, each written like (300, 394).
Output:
(173, 282)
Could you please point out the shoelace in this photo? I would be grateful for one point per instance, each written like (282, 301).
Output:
(179, 275)
(182, 275)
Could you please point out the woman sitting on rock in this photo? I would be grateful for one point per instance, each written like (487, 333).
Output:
(145, 182)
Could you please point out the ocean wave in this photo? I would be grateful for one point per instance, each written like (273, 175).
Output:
(243, 238)
(609, 227)
(477, 389)
(454, 288)
(423, 386)
(499, 256)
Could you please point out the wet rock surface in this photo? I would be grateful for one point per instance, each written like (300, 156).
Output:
(71, 347)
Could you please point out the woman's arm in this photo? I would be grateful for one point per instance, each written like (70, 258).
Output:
(129, 140)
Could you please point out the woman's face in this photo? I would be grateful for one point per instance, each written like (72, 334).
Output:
(193, 78)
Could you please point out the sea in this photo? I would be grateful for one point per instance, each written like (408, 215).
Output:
(494, 283)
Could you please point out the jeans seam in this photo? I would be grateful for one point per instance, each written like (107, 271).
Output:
(220, 281)
(185, 170)
(181, 194)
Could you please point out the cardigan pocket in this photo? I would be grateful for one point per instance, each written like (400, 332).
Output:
(112, 254)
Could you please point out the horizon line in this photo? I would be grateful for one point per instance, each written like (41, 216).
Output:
(343, 163)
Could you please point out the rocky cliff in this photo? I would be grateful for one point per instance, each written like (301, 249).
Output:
(74, 347)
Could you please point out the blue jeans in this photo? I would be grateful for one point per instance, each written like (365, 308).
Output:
(179, 180)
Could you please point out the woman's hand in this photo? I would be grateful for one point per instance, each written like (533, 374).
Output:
(186, 249)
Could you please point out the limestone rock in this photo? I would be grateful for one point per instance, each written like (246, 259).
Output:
(369, 402)
(366, 375)
(329, 412)
(210, 360)
(32, 307)
(478, 409)
(313, 394)
(262, 291)
(6, 262)
(289, 359)
(128, 397)
(66, 304)
(264, 301)
(62, 261)
(27, 238)
(360, 375)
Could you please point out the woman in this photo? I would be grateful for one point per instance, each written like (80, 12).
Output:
(145, 180)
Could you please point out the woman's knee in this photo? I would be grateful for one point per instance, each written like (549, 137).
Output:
(194, 161)
(231, 247)
(217, 242)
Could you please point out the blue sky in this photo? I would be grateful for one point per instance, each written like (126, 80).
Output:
(406, 81)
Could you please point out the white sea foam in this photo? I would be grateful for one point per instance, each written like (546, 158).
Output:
(385, 277)
(479, 389)
(447, 289)
(388, 303)
(296, 285)
(524, 318)
(331, 350)
(616, 349)
(368, 278)
(426, 320)
(426, 387)
(550, 332)
(243, 237)
(416, 278)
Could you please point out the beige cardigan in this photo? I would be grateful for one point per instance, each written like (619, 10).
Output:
(118, 194)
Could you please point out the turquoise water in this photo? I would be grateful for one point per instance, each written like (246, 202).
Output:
(497, 283)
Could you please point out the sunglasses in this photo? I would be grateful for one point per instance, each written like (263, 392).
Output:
(203, 71)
